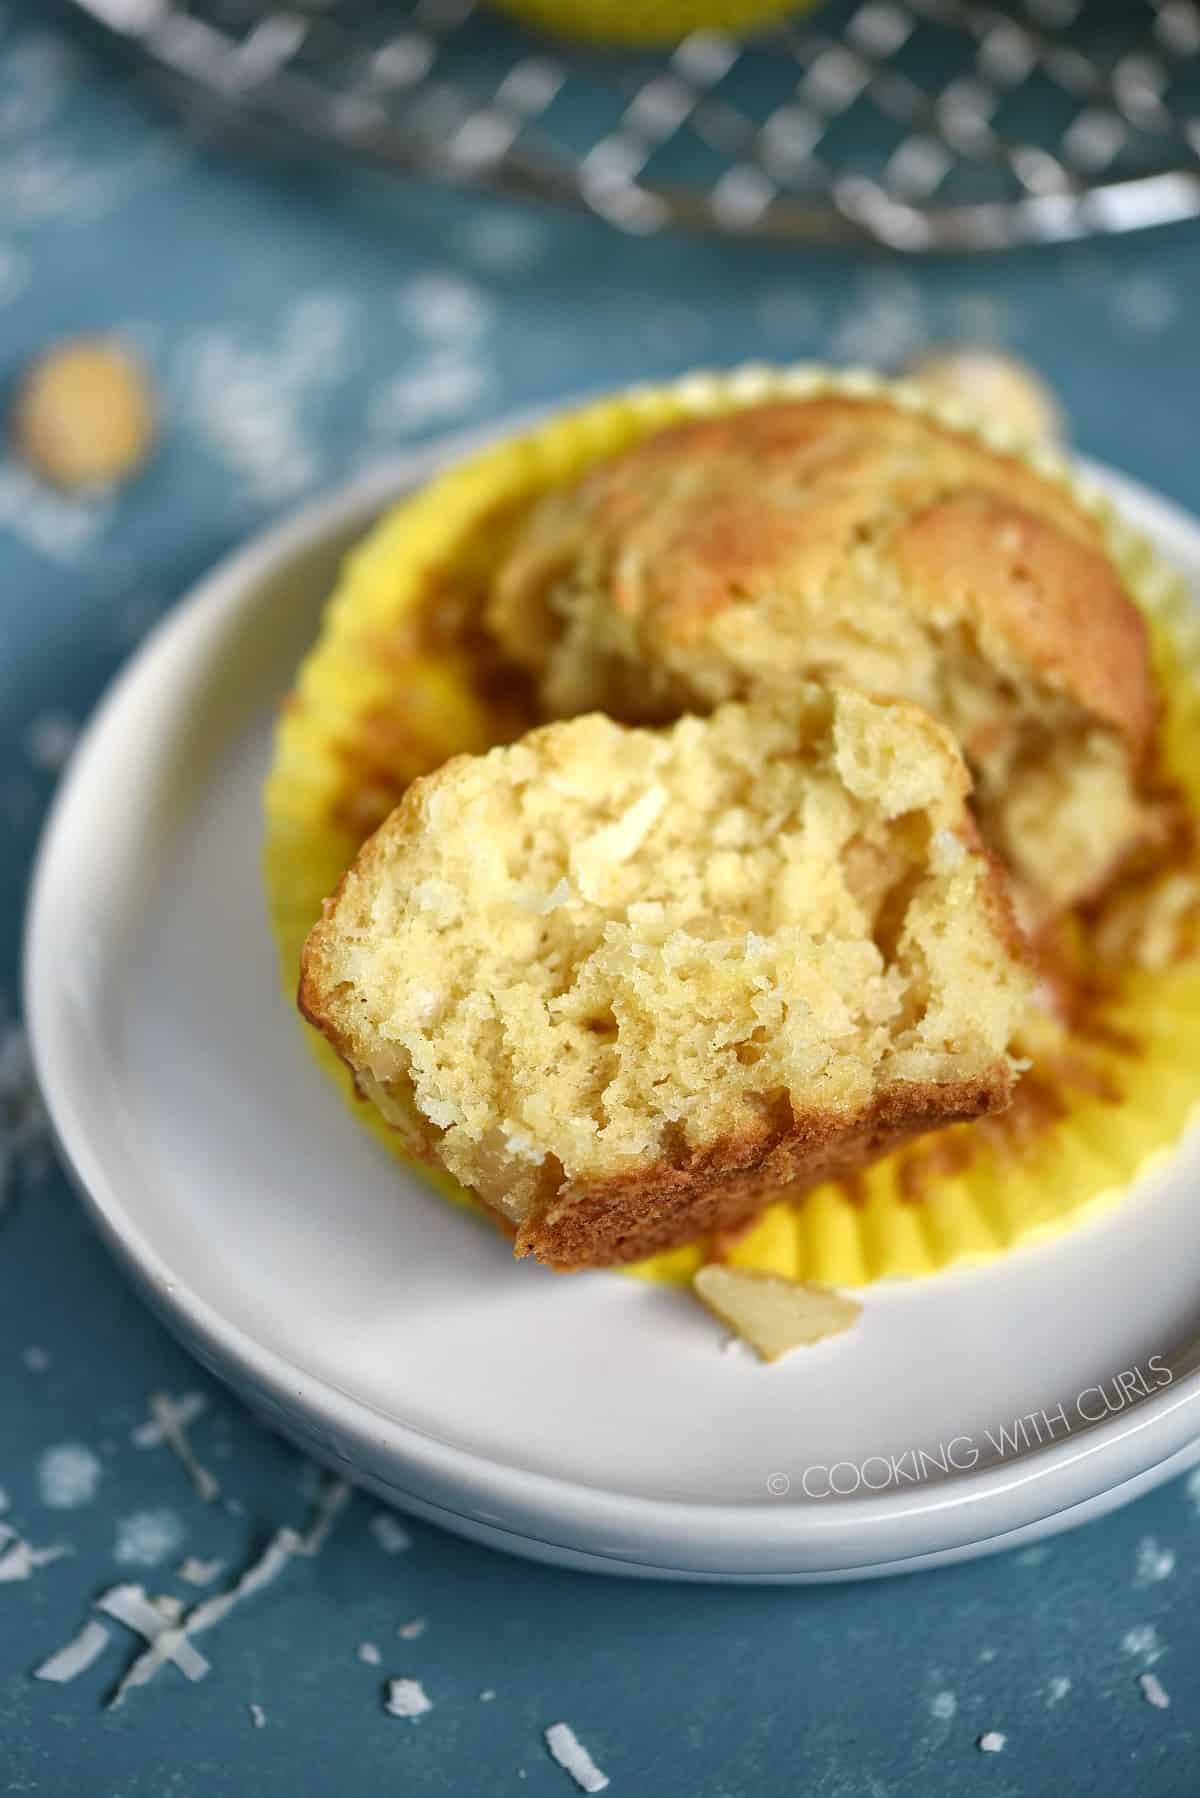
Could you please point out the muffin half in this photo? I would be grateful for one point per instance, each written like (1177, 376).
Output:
(855, 540)
(625, 983)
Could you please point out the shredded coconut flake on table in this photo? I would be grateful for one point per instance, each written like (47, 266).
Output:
(187, 1409)
(1154, 1563)
(369, 1654)
(257, 1715)
(169, 1418)
(168, 1632)
(75, 1656)
(331, 1502)
(247, 403)
(36, 1359)
(1152, 1691)
(486, 1696)
(566, 1748)
(992, 1742)
(68, 1476)
(1143, 1641)
(158, 1622)
(450, 380)
(147, 1538)
(199, 1573)
(442, 305)
(20, 1560)
(391, 1536)
(406, 1698)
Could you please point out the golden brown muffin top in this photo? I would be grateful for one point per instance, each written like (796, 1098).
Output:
(670, 553)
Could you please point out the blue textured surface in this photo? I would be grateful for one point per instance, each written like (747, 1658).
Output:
(300, 324)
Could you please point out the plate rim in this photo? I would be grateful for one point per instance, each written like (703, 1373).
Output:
(760, 1534)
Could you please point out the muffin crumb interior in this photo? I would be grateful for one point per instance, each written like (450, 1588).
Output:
(604, 946)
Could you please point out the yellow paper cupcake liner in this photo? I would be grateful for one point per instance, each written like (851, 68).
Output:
(402, 677)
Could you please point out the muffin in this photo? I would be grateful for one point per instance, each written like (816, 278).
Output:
(404, 674)
(855, 540)
(623, 983)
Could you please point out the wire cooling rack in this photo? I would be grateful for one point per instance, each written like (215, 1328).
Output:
(921, 124)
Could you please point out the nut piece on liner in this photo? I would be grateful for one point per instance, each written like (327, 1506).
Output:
(1000, 390)
(773, 1314)
(84, 415)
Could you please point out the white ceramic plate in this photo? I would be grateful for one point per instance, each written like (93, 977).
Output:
(591, 1420)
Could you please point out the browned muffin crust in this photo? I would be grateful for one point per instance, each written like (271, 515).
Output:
(855, 540)
(725, 1187)
(1055, 595)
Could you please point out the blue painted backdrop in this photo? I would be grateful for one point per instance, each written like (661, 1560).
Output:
(300, 323)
